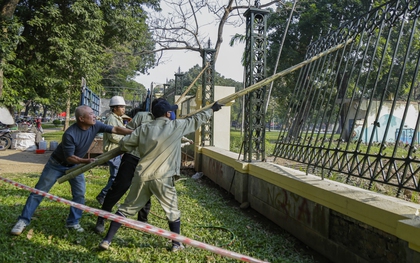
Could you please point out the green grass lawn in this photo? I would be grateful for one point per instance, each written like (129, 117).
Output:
(207, 216)
(236, 138)
(53, 136)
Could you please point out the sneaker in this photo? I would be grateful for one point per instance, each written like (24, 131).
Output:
(104, 245)
(100, 225)
(176, 248)
(100, 199)
(76, 227)
(18, 228)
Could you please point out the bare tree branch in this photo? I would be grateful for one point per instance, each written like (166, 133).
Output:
(183, 27)
(222, 23)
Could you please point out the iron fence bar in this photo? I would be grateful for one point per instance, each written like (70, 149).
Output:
(412, 147)
(315, 158)
(365, 86)
(353, 63)
(339, 87)
(331, 101)
(307, 113)
(383, 144)
(343, 160)
(396, 93)
(310, 80)
(381, 63)
(410, 95)
(282, 131)
(360, 69)
(299, 106)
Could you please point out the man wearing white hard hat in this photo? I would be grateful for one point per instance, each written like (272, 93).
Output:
(110, 141)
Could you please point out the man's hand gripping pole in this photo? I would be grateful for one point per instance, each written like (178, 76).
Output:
(103, 158)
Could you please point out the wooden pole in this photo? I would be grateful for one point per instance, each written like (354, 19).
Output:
(111, 154)
(103, 158)
(195, 80)
(270, 79)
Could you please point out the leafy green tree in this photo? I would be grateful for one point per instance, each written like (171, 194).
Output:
(106, 42)
(9, 36)
(129, 45)
(311, 20)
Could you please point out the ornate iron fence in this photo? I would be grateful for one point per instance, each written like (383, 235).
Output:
(355, 112)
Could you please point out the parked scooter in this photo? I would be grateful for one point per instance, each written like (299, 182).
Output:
(5, 138)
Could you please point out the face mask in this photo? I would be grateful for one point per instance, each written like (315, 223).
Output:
(173, 116)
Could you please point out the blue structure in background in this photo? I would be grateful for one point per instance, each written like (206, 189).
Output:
(148, 101)
(407, 135)
(90, 99)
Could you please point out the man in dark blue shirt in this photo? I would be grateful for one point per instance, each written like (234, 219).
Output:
(75, 144)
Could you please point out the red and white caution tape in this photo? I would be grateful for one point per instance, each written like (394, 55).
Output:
(138, 225)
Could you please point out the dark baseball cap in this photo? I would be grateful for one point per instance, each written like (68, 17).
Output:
(162, 107)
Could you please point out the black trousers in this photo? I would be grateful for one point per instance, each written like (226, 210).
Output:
(121, 185)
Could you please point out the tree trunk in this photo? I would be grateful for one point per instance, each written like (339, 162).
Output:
(68, 103)
(1, 77)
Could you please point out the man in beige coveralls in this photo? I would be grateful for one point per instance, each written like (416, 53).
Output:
(159, 146)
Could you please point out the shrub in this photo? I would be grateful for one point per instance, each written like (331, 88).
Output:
(56, 122)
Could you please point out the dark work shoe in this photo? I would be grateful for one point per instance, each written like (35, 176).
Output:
(142, 216)
(100, 199)
(100, 225)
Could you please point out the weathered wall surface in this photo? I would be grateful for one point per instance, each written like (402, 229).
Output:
(344, 223)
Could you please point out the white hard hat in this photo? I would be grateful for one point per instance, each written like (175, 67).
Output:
(116, 101)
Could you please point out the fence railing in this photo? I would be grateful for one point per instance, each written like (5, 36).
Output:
(355, 112)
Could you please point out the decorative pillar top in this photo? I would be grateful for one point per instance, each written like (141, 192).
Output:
(255, 10)
(257, 4)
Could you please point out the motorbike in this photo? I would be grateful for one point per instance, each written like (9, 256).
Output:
(5, 138)
(25, 125)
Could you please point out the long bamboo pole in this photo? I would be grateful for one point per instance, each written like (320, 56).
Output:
(111, 154)
(192, 84)
(103, 158)
(270, 79)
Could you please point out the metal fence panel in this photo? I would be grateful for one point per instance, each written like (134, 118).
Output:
(355, 112)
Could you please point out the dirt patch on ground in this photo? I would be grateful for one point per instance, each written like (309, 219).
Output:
(16, 161)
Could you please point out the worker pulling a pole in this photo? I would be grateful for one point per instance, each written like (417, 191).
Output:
(125, 174)
(159, 147)
(75, 144)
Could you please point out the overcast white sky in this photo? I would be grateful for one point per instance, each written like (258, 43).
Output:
(228, 63)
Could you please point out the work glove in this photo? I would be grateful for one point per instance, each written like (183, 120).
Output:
(216, 106)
